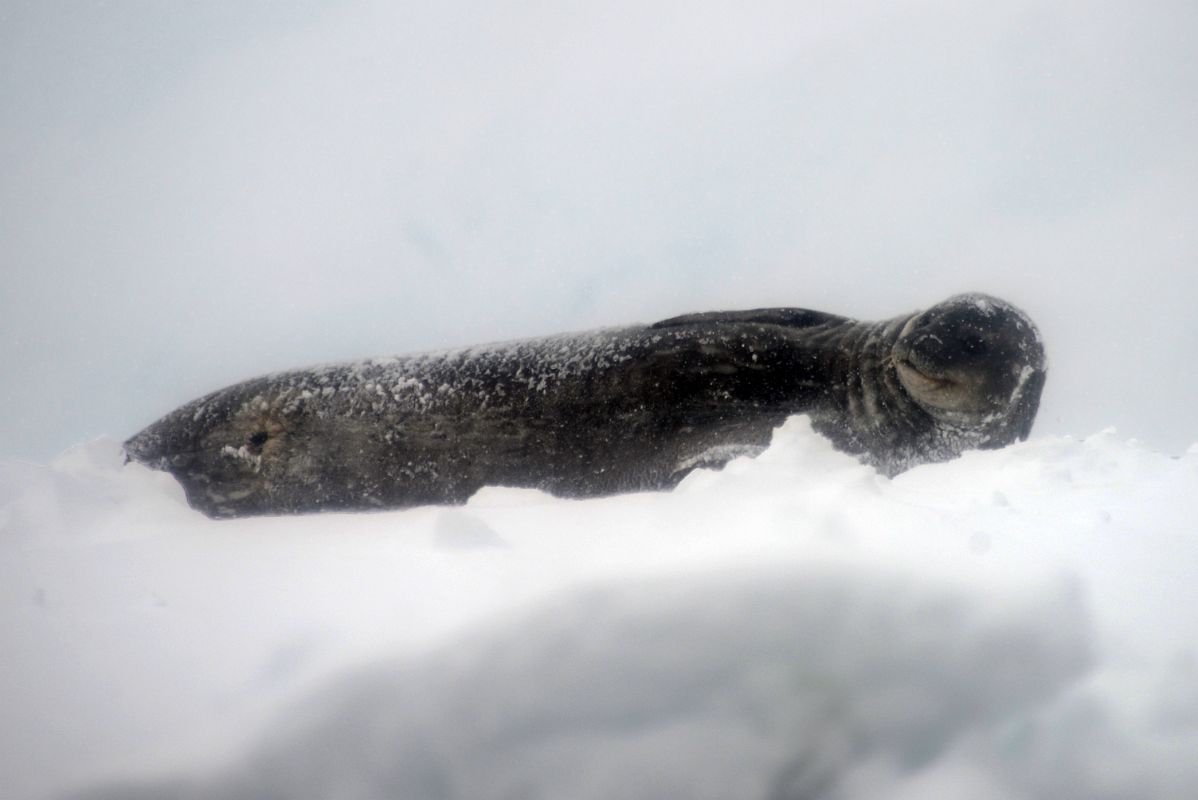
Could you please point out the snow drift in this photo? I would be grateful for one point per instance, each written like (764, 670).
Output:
(1014, 624)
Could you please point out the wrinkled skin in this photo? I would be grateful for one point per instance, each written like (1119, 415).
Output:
(596, 413)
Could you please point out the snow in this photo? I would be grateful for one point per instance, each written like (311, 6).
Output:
(1020, 623)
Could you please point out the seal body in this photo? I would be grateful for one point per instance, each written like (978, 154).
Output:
(603, 412)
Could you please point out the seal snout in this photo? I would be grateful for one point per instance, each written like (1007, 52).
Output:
(144, 448)
(157, 450)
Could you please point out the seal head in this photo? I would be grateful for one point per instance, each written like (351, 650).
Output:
(253, 448)
(974, 362)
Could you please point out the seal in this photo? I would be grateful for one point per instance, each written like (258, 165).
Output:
(608, 411)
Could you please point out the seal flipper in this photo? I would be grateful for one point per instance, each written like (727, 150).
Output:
(790, 317)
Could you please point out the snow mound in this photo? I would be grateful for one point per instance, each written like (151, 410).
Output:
(1014, 624)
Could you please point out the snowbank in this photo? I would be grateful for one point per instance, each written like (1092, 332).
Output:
(1014, 624)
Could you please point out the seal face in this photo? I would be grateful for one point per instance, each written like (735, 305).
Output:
(973, 361)
(622, 409)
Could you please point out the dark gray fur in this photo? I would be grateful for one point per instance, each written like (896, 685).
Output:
(602, 412)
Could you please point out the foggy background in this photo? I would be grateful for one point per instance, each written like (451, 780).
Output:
(195, 193)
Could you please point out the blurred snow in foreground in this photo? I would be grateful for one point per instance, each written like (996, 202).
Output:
(1015, 624)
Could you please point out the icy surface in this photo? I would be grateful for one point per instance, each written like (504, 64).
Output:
(1020, 623)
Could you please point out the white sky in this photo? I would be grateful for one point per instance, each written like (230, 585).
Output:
(192, 194)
